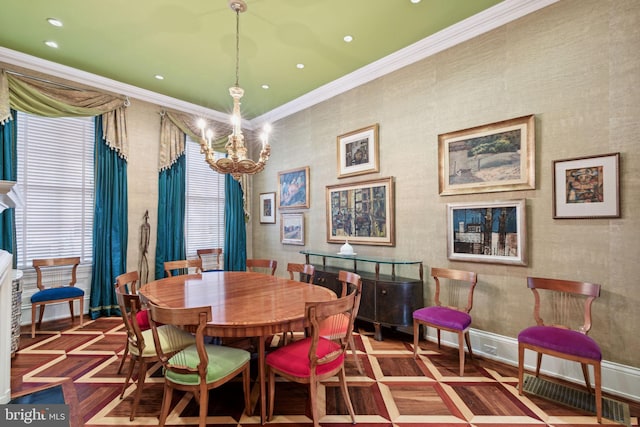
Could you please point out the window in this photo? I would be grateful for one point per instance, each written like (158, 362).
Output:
(56, 178)
(204, 214)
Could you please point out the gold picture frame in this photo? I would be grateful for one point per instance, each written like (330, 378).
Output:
(362, 212)
(358, 152)
(292, 228)
(293, 188)
(489, 158)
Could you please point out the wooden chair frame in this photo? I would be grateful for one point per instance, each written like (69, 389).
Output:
(463, 335)
(189, 318)
(306, 272)
(590, 292)
(271, 264)
(38, 265)
(316, 313)
(210, 252)
(129, 281)
(183, 265)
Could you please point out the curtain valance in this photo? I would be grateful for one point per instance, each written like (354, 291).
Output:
(48, 99)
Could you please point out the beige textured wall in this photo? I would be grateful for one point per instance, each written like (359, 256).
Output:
(576, 66)
(143, 127)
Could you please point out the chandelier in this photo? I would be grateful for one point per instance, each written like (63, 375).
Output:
(236, 163)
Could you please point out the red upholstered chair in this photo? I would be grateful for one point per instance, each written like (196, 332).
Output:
(317, 358)
(567, 307)
(454, 316)
(268, 265)
(56, 279)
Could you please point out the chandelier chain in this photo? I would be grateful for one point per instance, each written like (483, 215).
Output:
(237, 47)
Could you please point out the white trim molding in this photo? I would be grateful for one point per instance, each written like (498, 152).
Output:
(617, 379)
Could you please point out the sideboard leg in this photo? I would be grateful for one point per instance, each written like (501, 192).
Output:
(378, 331)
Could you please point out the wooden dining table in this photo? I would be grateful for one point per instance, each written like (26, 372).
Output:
(243, 304)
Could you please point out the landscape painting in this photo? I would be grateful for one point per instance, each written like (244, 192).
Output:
(495, 157)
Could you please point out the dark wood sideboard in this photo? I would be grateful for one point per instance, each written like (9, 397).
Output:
(387, 299)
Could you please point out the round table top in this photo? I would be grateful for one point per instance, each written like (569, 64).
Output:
(243, 304)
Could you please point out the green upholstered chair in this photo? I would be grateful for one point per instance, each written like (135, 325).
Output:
(199, 367)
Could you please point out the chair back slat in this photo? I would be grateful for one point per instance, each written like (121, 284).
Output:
(454, 288)
(305, 272)
(210, 258)
(183, 266)
(564, 303)
(268, 265)
(54, 272)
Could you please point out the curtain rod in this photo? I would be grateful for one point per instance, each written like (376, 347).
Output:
(40, 79)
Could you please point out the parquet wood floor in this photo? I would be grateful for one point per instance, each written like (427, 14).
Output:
(395, 390)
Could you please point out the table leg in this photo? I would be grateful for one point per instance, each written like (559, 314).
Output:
(263, 381)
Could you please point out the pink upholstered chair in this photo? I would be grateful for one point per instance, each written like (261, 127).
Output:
(453, 317)
(562, 302)
(317, 358)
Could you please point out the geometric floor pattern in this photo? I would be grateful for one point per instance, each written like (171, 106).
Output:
(394, 390)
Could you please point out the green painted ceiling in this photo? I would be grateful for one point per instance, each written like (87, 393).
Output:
(192, 42)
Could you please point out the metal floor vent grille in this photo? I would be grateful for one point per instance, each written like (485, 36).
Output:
(579, 399)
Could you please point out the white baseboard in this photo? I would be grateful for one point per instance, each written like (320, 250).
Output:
(617, 379)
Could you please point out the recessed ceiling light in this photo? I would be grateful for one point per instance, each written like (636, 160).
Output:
(159, 77)
(265, 86)
(415, 1)
(348, 39)
(300, 66)
(51, 43)
(55, 22)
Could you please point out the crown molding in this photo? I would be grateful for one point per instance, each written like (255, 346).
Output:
(487, 20)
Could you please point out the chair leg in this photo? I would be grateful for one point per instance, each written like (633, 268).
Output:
(345, 395)
(585, 374)
(539, 363)
(246, 387)
(468, 341)
(71, 311)
(124, 356)
(416, 338)
(438, 337)
(81, 311)
(598, 386)
(204, 404)
(352, 344)
(272, 392)
(142, 373)
(129, 375)
(166, 403)
(461, 352)
(33, 320)
(313, 396)
(520, 368)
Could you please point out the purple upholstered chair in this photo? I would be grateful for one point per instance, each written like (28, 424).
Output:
(556, 337)
(453, 317)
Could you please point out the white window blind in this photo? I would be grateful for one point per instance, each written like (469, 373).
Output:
(56, 178)
(204, 226)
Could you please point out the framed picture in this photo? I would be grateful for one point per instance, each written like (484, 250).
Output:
(292, 228)
(358, 152)
(293, 188)
(587, 187)
(492, 232)
(362, 213)
(489, 158)
(268, 208)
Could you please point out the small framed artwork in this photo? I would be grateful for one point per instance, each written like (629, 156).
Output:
(268, 208)
(293, 188)
(292, 228)
(362, 213)
(495, 157)
(358, 152)
(491, 232)
(587, 187)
